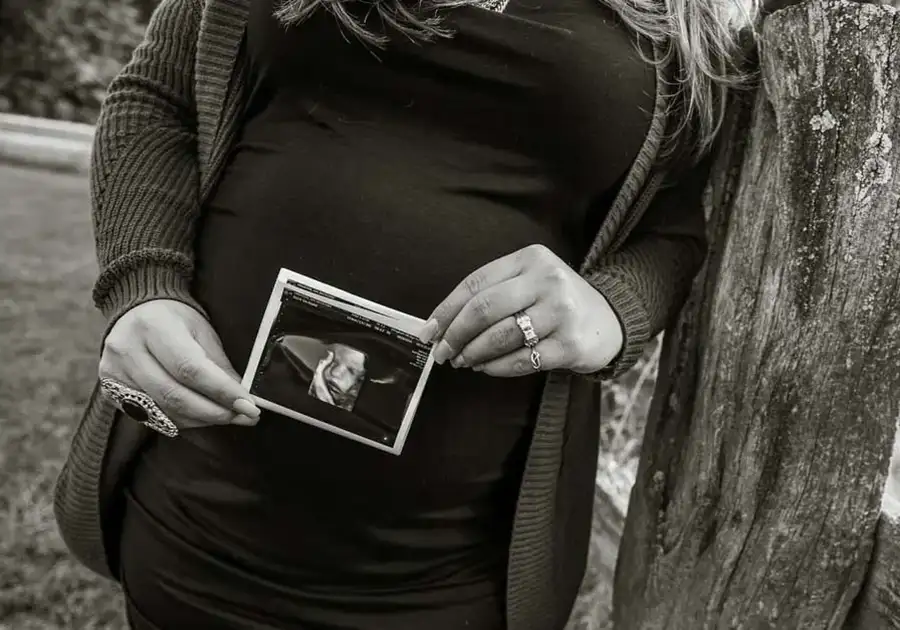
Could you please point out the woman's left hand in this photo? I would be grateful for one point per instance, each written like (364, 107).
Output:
(475, 325)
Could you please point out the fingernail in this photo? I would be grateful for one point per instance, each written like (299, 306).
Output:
(442, 352)
(477, 368)
(429, 330)
(246, 408)
(245, 420)
(458, 361)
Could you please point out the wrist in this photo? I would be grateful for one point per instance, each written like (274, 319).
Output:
(124, 286)
(633, 323)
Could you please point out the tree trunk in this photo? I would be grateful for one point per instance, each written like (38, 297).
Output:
(766, 453)
(878, 605)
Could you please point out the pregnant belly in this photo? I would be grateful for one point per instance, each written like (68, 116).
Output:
(395, 225)
(399, 224)
(462, 462)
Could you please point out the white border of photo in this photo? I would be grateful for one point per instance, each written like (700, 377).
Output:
(288, 280)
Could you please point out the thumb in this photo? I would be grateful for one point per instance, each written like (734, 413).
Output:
(209, 340)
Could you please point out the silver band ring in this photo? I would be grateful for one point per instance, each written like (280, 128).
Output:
(525, 324)
(139, 406)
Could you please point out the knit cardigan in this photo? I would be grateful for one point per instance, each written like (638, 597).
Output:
(164, 133)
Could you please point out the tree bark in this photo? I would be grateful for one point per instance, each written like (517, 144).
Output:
(878, 605)
(766, 452)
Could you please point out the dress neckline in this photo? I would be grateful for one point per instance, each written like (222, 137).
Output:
(496, 6)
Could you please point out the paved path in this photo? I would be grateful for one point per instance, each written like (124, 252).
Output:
(46, 226)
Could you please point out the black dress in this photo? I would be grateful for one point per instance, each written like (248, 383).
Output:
(391, 174)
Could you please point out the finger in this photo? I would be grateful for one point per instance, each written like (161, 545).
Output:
(505, 337)
(117, 354)
(482, 311)
(518, 363)
(114, 371)
(185, 407)
(185, 360)
(479, 280)
(212, 345)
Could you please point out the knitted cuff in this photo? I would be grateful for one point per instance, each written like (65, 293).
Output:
(142, 283)
(633, 318)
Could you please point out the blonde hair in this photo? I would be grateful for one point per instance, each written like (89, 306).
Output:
(699, 41)
(704, 41)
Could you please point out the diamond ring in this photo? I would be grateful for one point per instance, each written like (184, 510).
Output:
(525, 324)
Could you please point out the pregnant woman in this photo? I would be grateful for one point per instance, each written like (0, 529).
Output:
(524, 177)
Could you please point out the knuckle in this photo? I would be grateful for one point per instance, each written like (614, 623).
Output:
(556, 276)
(187, 370)
(481, 308)
(474, 282)
(140, 322)
(565, 306)
(500, 338)
(538, 252)
(223, 397)
(172, 401)
(116, 345)
(439, 313)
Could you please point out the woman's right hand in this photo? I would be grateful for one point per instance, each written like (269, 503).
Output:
(169, 351)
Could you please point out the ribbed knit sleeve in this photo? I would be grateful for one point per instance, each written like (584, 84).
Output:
(144, 168)
(647, 280)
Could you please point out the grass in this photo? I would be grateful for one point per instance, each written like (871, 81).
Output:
(49, 336)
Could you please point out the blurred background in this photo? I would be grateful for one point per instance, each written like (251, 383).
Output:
(56, 59)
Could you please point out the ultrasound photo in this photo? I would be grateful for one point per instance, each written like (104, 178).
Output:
(339, 362)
